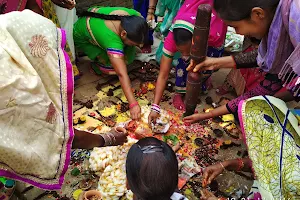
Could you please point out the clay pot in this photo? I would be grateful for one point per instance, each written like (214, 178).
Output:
(91, 193)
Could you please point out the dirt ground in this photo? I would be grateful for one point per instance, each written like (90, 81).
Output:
(85, 89)
(229, 183)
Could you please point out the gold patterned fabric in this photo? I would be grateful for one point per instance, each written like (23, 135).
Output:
(36, 84)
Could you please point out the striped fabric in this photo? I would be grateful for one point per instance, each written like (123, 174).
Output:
(117, 53)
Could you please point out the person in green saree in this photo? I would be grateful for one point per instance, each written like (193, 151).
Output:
(109, 36)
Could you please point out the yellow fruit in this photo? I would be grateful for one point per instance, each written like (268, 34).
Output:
(77, 193)
(227, 142)
(151, 86)
(75, 121)
(83, 118)
(227, 118)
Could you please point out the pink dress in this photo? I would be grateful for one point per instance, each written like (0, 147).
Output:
(186, 18)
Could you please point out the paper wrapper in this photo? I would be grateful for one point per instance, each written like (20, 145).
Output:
(188, 169)
(160, 127)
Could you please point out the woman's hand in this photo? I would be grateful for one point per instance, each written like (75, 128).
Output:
(152, 117)
(150, 17)
(135, 112)
(211, 172)
(68, 4)
(207, 64)
(195, 118)
(120, 135)
(212, 64)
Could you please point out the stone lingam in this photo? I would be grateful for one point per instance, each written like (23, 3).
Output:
(198, 54)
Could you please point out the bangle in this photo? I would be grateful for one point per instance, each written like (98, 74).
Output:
(133, 104)
(150, 13)
(107, 140)
(155, 108)
(152, 7)
(240, 164)
(112, 137)
(222, 166)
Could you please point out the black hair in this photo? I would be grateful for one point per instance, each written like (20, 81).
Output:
(236, 10)
(152, 176)
(136, 27)
(182, 36)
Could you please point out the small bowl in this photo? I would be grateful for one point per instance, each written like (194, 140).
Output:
(91, 193)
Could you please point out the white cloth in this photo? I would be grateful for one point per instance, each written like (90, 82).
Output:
(66, 19)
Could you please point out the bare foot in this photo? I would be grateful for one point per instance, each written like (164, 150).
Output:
(178, 102)
(146, 49)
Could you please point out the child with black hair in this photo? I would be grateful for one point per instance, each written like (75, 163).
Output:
(277, 23)
(108, 36)
(179, 39)
(152, 170)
